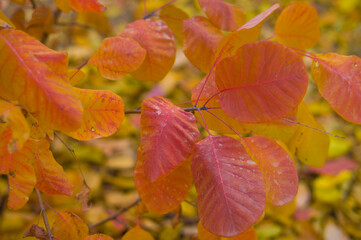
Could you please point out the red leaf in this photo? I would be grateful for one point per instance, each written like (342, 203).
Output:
(224, 15)
(21, 176)
(201, 39)
(338, 79)
(33, 82)
(86, 5)
(230, 187)
(50, 176)
(117, 56)
(98, 237)
(167, 192)
(248, 33)
(158, 40)
(298, 26)
(334, 167)
(103, 114)
(168, 135)
(278, 169)
(203, 234)
(264, 81)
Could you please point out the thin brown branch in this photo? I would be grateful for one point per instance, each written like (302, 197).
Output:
(190, 109)
(43, 213)
(115, 215)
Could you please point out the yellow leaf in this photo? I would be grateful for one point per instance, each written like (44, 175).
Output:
(68, 226)
(63, 5)
(5, 19)
(75, 76)
(137, 233)
(96, 20)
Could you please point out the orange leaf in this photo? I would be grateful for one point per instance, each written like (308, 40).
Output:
(279, 129)
(103, 114)
(278, 169)
(50, 176)
(201, 39)
(75, 76)
(264, 81)
(230, 187)
(167, 192)
(224, 15)
(11, 114)
(118, 56)
(98, 237)
(41, 22)
(86, 5)
(248, 33)
(21, 176)
(18, 18)
(158, 40)
(338, 79)
(298, 26)
(42, 92)
(137, 233)
(203, 234)
(63, 5)
(168, 135)
(174, 17)
(68, 226)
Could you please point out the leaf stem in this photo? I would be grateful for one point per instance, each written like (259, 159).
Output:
(189, 109)
(43, 213)
(115, 215)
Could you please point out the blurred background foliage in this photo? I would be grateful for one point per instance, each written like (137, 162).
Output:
(328, 205)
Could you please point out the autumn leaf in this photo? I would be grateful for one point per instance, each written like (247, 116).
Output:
(231, 191)
(98, 237)
(86, 5)
(247, 33)
(278, 170)
(338, 78)
(298, 26)
(167, 192)
(159, 42)
(117, 56)
(4, 20)
(50, 176)
(168, 135)
(21, 175)
(68, 226)
(201, 39)
(18, 19)
(42, 92)
(75, 76)
(263, 82)
(96, 20)
(12, 117)
(224, 15)
(203, 234)
(41, 22)
(37, 232)
(103, 114)
(309, 145)
(137, 233)
(63, 5)
(173, 17)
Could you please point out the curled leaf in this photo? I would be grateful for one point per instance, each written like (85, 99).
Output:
(37, 232)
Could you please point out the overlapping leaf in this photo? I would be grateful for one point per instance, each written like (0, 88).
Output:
(137, 233)
(118, 56)
(264, 81)
(168, 135)
(68, 226)
(174, 17)
(41, 22)
(21, 175)
(298, 26)
(41, 91)
(279, 171)
(86, 5)
(309, 145)
(167, 192)
(203, 234)
(278, 129)
(98, 237)
(103, 114)
(50, 176)
(159, 42)
(201, 39)
(230, 187)
(338, 78)
(6, 20)
(248, 33)
(224, 15)
(12, 117)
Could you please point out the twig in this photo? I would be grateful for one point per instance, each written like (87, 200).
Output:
(189, 109)
(43, 213)
(115, 215)
(33, 3)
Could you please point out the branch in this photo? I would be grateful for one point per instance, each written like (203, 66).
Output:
(43, 213)
(115, 215)
(190, 109)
